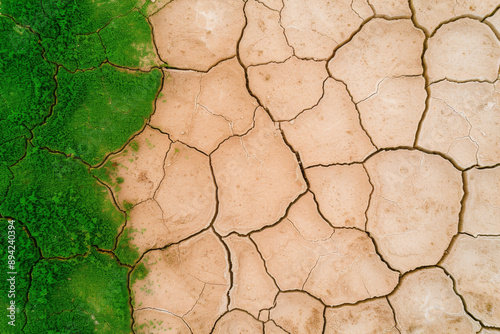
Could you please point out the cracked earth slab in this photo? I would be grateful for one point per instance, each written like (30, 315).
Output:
(482, 213)
(194, 106)
(197, 34)
(463, 122)
(414, 210)
(370, 317)
(319, 167)
(189, 280)
(287, 88)
(431, 13)
(461, 50)
(382, 48)
(425, 302)
(314, 28)
(330, 132)
(335, 265)
(474, 263)
(257, 177)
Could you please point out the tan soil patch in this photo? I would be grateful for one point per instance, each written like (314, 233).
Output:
(413, 213)
(342, 193)
(189, 280)
(325, 169)
(288, 88)
(462, 121)
(482, 207)
(139, 164)
(391, 115)
(257, 177)
(253, 289)
(431, 13)
(337, 266)
(202, 110)
(371, 317)
(394, 8)
(238, 322)
(475, 265)
(198, 34)
(314, 27)
(263, 40)
(462, 50)
(381, 49)
(297, 312)
(426, 303)
(330, 132)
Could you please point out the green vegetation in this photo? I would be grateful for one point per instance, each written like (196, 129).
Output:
(64, 207)
(97, 111)
(125, 250)
(27, 85)
(63, 26)
(129, 42)
(87, 294)
(25, 255)
(75, 51)
(5, 177)
(64, 105)
(139, 273)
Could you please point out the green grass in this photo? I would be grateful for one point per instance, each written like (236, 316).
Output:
(129, 42)
(75, 51)
(26, 255)
(84, 115)
(87, 294)
(97, 111)
(27, 86)
(125, 250)
(64, 207)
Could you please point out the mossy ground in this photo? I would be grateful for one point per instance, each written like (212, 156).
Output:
(98, 110)
(86, 293)
(64, 207)
(64, 105)
(26, 255)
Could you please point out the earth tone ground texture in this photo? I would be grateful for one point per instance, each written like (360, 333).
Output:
(319, 166)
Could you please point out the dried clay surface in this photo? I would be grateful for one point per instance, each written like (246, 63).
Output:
(316, 167)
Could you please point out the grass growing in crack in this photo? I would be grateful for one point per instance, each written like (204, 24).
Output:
(97, 111)
(85, 293)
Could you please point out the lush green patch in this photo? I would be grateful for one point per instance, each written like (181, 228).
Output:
(84, 294)
(63, 206)
(23, 251)
(27, 85)
(75, 51)
(51, 18)
(98, 110)
(139, 273)
(125, 250)
(66, 27)
(5, 178)
(129, 41)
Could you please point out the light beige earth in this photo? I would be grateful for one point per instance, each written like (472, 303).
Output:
(319, 166)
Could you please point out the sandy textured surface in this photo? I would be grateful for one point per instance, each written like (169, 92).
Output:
(319, 167)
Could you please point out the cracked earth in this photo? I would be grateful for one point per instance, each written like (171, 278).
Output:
(319, 167)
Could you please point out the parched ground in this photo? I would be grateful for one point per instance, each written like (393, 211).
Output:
(318, 166)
